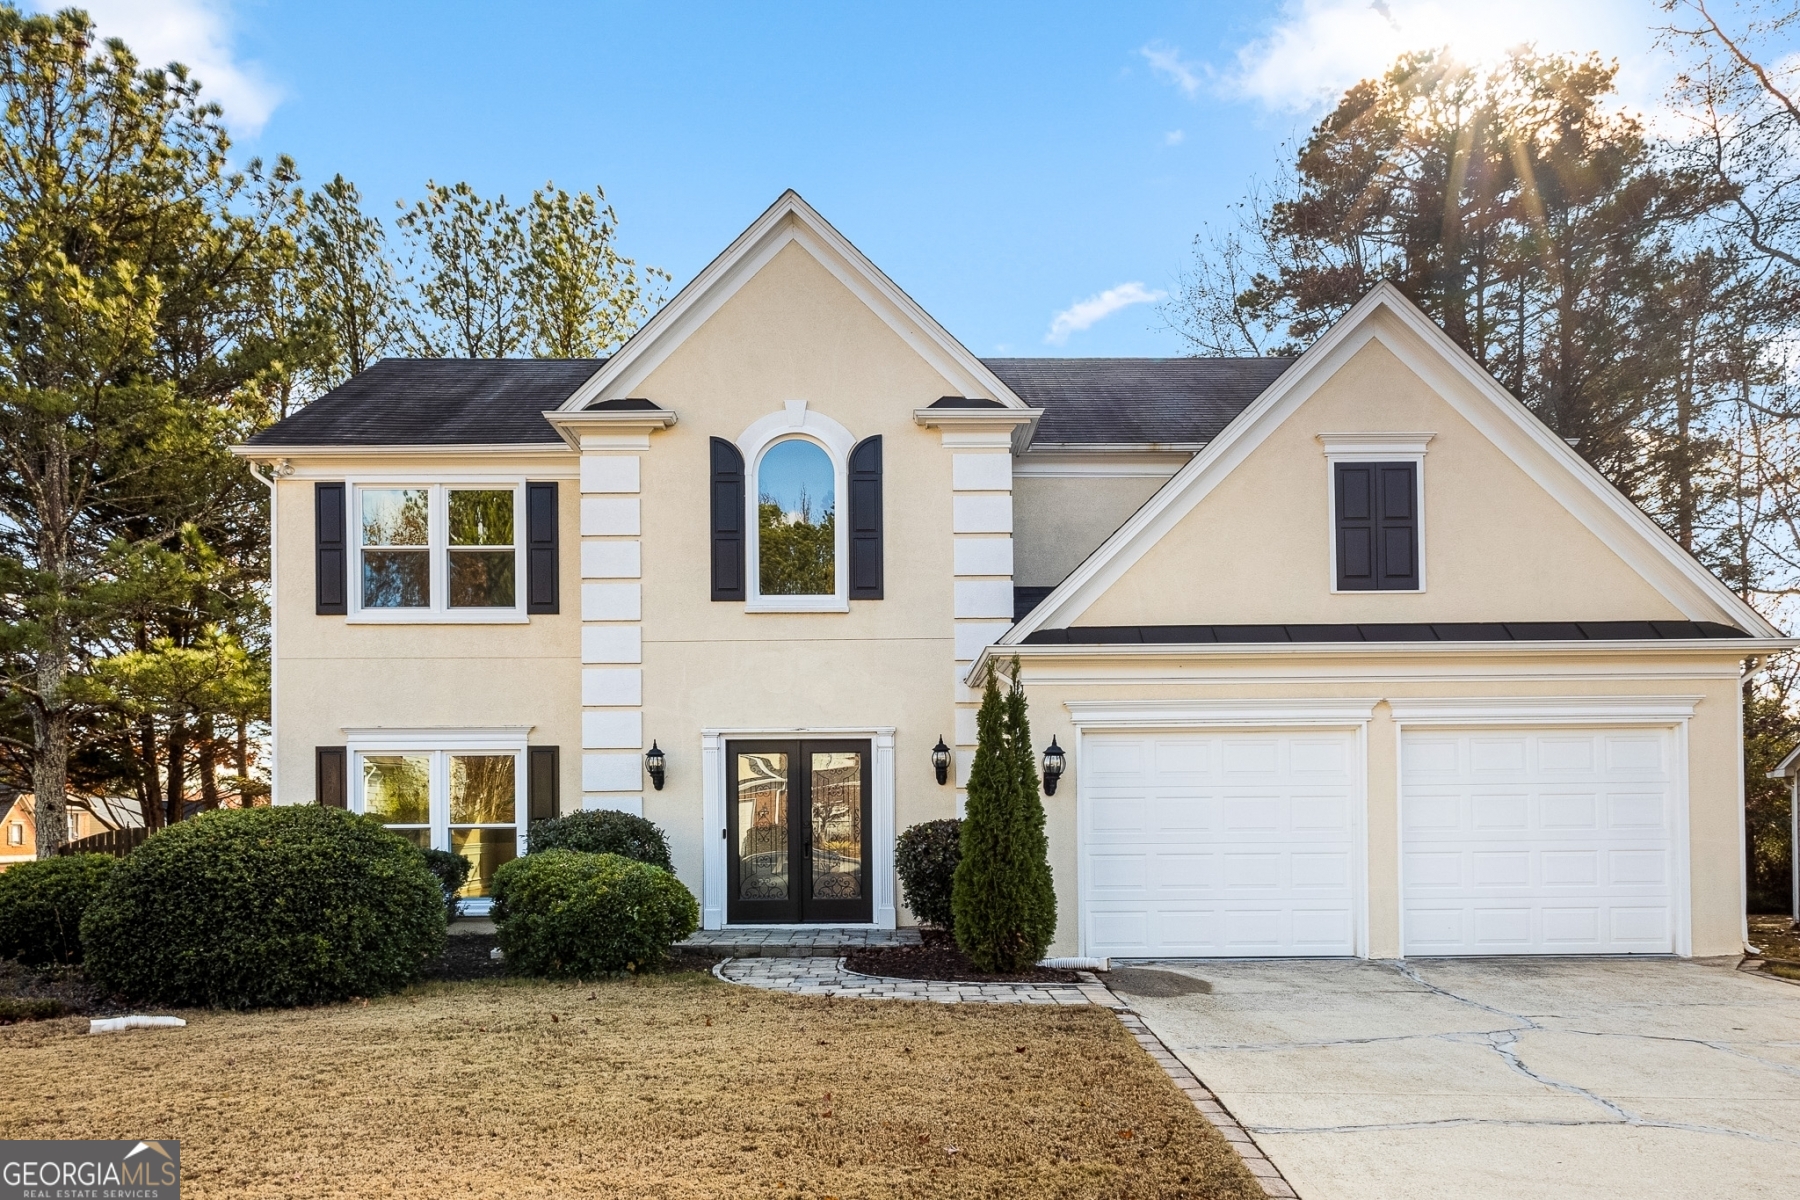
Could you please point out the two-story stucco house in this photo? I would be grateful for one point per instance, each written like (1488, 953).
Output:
(1349, 654)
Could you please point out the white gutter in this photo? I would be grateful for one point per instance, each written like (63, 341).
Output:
(1682, 647)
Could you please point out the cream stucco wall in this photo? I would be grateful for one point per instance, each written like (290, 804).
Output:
(793, 332)
(332, 674)
(1714, 764)
(1497, 546)
(1059, 520)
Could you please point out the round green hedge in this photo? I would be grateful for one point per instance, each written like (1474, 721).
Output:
(566, 914)
(603, 831)
(265, 907)
(925, 858)
(41, 904)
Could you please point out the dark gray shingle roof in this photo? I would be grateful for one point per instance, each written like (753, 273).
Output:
(1184, 401)
(437, 402)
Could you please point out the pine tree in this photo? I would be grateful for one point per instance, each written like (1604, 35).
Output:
(1003, 900)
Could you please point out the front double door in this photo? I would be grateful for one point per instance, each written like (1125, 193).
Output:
(797, 823)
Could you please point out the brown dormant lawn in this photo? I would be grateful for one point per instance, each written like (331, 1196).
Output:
(676, 1086)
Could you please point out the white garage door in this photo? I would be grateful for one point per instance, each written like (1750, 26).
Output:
(1537, 841)
(1215, 844)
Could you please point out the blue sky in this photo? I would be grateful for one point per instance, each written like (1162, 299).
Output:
(1033, 174)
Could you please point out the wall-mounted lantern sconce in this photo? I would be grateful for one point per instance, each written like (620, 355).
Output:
(654, 763)
(940, 759)
(1054, 761)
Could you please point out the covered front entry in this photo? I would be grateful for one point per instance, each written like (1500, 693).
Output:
(797, 830)
(1219, 843)
(1538, 840)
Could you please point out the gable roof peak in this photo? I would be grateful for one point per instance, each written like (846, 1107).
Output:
(790, 220)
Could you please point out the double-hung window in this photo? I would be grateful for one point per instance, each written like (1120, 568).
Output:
(437, 550)
(466, 802)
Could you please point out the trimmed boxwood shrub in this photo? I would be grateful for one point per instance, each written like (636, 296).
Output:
(603, 831)
(41, 904)
(265, 907)
(925, 858)
(452, 871)
(566, 914)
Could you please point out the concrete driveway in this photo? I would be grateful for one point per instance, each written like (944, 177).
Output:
(1508, 1078)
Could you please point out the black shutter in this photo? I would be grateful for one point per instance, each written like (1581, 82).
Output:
(1396, 492)
(1377, 527)
(865, 520)
(331, 553)
(727, 521)
(542, 782)
(332, 775)
(541, 590)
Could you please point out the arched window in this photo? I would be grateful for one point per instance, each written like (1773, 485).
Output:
(796, 520)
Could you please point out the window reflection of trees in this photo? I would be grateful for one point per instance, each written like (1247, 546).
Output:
(837, 833)
(762, 826)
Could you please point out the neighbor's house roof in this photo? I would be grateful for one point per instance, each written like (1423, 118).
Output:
(501, 401)
(1176, 402)
(438, 402)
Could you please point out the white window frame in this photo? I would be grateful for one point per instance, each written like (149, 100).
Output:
(15, 833)
(439, 745)
(796, 421)
(1366, 448)
(439, 612)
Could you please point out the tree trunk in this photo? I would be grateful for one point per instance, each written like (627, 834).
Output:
(177, 776)
(151, 785)
(50, 762)
(209, 765)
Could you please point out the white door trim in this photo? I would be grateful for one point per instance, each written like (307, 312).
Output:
(1110, 716)
(881, 814)
(1668, 712)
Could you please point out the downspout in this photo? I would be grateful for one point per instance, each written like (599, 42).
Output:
(1751, 670)
(279, 469)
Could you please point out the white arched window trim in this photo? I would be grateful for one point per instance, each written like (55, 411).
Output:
(797, 421)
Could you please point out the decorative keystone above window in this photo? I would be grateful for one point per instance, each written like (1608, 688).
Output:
(1376, 488)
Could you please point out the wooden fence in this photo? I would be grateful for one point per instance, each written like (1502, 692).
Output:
(116, 842)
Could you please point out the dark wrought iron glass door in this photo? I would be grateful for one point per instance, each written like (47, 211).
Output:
(797, 823)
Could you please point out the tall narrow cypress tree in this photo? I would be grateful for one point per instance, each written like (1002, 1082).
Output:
(1002, 897)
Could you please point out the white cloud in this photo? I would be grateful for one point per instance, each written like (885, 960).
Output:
(1084, 314)
(1165, 60)
(1317, 48)
(1174, 137)
(196, 33)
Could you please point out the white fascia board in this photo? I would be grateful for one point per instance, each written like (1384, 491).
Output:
(485, 450)
(790, 219)
(1788, 766)
(1461, 383)
(1717, 648)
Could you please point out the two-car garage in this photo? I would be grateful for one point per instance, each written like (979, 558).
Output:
(1513, 838)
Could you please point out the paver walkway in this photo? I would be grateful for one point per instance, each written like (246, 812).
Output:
(819, 976)
(796, 943)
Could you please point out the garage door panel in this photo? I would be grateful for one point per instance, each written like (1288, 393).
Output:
(1232, 833)
(1574, 853)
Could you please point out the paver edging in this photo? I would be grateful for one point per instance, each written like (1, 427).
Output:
(1209, 1106)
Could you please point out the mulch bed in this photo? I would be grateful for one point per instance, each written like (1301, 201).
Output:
(44, 993)
(937, 957)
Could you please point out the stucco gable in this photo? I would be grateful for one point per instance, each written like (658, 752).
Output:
(1517, 526)
(790, 222)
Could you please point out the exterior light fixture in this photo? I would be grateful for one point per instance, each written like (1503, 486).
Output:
(940, 759)
(1054, 761)
(654, 763)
